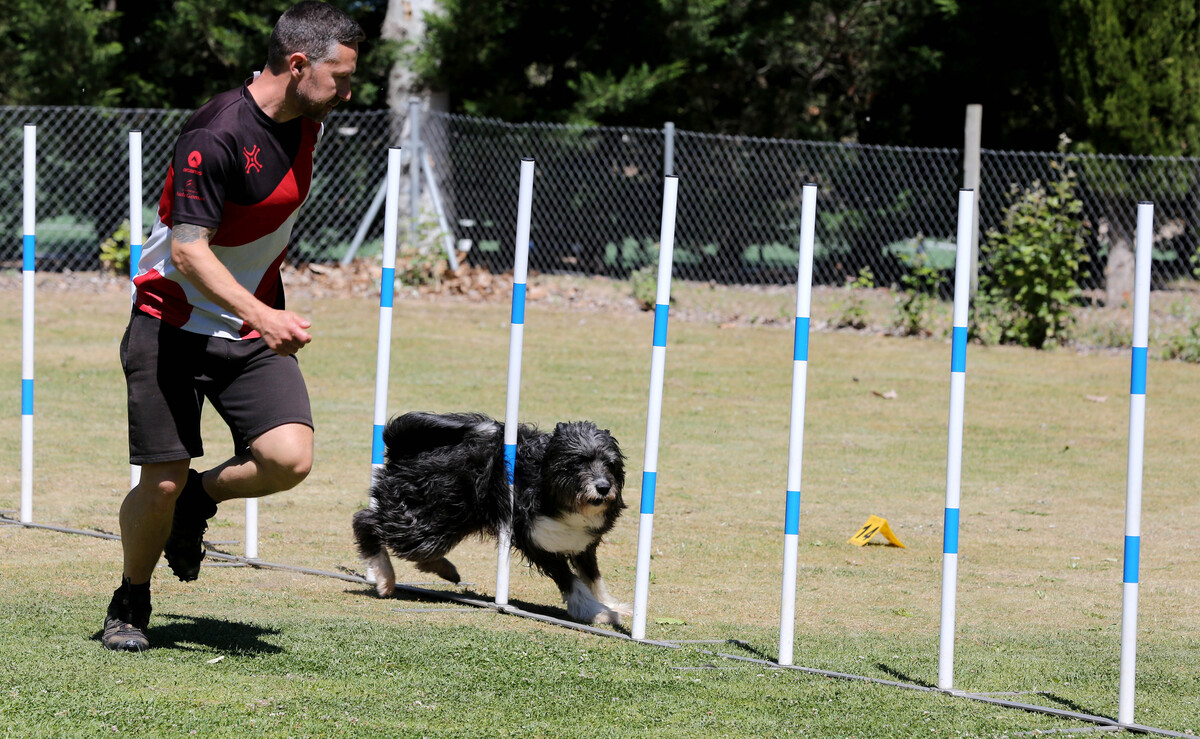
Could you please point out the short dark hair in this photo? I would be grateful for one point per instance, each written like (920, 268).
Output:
(313, 28)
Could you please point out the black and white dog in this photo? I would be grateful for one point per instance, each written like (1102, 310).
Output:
(444, 479)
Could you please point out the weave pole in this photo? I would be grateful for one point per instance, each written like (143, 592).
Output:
(791, 519)
(387, 285)
(1133, 478)
(135, 238)
(515, 341)
(658, 361)
(958, 385)
(29, 250)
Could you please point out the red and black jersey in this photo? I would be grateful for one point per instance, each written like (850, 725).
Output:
(244, 174)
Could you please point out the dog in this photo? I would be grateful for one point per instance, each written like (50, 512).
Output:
(445, 479)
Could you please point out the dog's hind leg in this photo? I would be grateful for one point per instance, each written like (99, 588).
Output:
(373, 553)
(589, 572)
(441, 567)
(385, 576)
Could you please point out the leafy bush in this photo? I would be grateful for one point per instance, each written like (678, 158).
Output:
(919, 290)
(114, 251)
(643, 283)
(1029, 270)
(1184, 347)
(852, 312)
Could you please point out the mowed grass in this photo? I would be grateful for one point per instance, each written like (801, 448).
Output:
(270, 652)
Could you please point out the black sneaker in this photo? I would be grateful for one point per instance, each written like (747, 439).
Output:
(184, 549)
(128, 616)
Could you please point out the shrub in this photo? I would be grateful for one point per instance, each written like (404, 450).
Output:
(852, 312)
(114, 251)
(1028, 276)
(919, 290)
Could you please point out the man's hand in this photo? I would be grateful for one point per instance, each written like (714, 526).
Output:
(284, 331)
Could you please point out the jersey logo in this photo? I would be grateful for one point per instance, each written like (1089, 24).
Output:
(252, 159)
(194, 159)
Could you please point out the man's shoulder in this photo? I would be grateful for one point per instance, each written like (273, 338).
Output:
(217, 108)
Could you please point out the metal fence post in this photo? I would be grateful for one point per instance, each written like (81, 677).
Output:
(971, 178)
(668, 148)
(414, 168)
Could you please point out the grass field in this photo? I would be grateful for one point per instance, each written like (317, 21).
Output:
(268, 652)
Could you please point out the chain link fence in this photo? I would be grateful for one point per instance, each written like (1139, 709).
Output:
(597, 196)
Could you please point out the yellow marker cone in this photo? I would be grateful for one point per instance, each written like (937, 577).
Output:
(875, 525)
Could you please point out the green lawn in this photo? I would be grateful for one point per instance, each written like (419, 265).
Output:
(253, 651)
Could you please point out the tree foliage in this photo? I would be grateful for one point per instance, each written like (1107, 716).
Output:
(1132, 71)
(130, 53)
(55, 51)
(759, 67)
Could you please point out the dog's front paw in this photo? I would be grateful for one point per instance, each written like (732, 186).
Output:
(609, 616)
(622, 609)
(583, 606)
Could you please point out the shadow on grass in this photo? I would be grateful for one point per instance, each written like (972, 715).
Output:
(901, 676)
(193, 633)
(534, 608)
(1071, 705)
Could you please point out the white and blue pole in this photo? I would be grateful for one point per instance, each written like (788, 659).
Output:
(29, 248)
(658, 363)
(958, 385)
(516, 338)
(387, 287)
(791, 519)
(1133, 478)
(135, 238)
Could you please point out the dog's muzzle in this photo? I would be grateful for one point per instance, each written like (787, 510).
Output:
(603, 489)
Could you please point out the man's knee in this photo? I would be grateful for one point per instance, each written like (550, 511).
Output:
(284, 455)
(286, 471)
(163, 481)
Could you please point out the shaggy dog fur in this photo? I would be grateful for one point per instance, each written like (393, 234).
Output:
(444, 480)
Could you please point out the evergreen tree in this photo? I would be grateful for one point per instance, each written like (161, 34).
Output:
(1132, 71)
(53, 52)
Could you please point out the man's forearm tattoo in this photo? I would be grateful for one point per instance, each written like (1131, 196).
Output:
(187, 232)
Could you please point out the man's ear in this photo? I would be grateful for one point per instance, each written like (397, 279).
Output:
(297, 63)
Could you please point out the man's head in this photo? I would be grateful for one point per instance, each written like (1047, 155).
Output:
(317, 45)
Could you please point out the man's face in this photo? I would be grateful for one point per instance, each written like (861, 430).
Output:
(324, 84)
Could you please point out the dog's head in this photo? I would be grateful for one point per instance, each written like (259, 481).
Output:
(583, 468)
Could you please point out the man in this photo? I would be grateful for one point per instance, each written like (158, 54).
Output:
(208, 316)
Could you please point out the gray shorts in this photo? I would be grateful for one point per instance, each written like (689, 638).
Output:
(169, 372)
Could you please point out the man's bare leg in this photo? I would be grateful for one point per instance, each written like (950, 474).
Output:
(279, 459)
(146, 517)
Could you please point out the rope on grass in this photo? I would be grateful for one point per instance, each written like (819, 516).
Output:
(514, 611)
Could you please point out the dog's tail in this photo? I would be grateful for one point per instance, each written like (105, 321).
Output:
(414, 433)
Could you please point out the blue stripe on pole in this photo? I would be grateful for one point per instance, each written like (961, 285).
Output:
(510, 463)
(1133, 551)
(951, 532)
(518, 308)
(28, 244)
(135, 257)
(801, 344)
(1137, 374)
(791, 520)
(377, 445)
(649, 479)
(958, 355)
(660, 324)
(387, 287)
(26, 397)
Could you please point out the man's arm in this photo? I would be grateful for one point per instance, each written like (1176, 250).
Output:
(191, 254)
